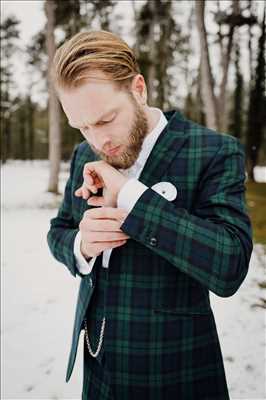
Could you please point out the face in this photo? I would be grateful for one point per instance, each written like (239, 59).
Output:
(113, 122)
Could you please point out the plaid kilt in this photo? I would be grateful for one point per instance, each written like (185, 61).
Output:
(160, 336)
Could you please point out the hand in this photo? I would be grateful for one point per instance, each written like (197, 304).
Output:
(99, 174)
(100, 230)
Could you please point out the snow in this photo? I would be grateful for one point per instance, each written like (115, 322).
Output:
(260, 174)
(39, 297)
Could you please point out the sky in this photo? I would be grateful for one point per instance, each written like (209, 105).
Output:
(32, 20)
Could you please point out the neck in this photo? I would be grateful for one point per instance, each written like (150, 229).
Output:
(153, 117)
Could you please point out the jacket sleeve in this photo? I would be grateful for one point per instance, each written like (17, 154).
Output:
(63, 230)
(213, 243)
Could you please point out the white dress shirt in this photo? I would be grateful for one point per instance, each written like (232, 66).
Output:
(129, 193)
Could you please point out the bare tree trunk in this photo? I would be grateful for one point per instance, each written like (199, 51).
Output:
(200, 106)
(151, 70)
(135, 29)
(54, 110)
(207, 82)
(250, 49)
(133, 4)
(30, 122)
(226, 56)
(165, 34)
(22, 133)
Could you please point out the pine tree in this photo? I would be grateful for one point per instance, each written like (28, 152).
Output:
(158, 40)
(236, 127)
(9, 34)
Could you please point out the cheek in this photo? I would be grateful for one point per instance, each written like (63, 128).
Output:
(121, 132)
(129, 124)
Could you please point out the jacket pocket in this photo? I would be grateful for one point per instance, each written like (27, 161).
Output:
(182, 311)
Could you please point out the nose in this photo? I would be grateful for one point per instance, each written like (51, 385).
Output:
(100, 139)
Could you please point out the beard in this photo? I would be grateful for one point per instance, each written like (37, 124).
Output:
(138, 132)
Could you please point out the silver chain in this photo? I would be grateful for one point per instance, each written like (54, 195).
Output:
(94, 354)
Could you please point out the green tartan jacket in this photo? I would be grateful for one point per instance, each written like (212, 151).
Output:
(178, 251)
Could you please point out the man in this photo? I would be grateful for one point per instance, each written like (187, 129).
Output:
(153, 217)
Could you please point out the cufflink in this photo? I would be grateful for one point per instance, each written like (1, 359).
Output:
(165, 189)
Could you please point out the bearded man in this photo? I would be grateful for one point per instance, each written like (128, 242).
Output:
(153, 218)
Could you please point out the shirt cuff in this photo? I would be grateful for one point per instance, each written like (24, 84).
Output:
(130, 193)
(84, 266)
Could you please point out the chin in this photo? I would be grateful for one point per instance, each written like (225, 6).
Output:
(121, 160)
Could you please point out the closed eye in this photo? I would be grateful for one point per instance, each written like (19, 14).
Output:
(85, 129)
(105, 122)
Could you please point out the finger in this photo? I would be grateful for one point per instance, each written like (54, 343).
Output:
(91, 188)
(87, 175)
(91, 179)
(107, 245)
(93, 237)
(78, 192)
(94, 168)
(115, 244)
(90, 183)
(104, 225)
(96, 201)
(98, 185)
(85, 192)
(107, 212)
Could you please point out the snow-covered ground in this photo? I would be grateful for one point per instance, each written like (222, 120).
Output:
(260, 174)
(39, 297)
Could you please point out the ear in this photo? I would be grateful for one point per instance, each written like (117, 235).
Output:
(138, 88)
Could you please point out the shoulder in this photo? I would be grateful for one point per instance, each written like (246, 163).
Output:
(210, 141)
(204, 147)
(83, 152)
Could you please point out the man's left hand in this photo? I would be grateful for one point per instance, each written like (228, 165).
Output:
(99, 174)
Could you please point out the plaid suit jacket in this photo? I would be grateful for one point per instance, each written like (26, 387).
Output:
(178, 251)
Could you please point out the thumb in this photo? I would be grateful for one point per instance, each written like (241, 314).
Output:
(78, 192)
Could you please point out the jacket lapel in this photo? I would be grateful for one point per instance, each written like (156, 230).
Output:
(168, 144)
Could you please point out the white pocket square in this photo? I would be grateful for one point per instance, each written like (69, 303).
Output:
(165, 189)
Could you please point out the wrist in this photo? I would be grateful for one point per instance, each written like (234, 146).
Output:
(120, 183)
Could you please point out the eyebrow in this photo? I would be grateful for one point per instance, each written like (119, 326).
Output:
(100, 120)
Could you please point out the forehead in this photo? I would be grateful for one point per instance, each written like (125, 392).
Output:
(90, 101)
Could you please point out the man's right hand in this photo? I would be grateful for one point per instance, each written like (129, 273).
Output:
(100, 230)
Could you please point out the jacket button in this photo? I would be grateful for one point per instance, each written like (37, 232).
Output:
(153, 241)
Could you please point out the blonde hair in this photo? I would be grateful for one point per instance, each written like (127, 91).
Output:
(94, 50)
